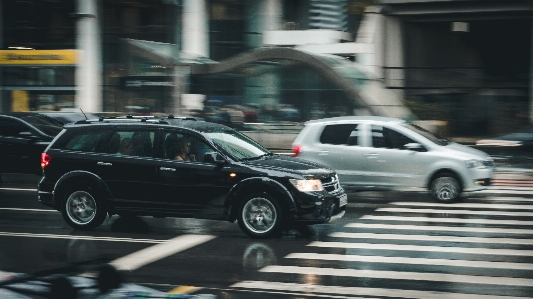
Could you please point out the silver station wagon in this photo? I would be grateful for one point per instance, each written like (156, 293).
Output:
(378, 153)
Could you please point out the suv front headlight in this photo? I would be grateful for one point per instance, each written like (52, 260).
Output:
(307, 185)
(474, 163)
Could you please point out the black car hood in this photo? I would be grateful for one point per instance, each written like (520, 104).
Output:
(291, 165)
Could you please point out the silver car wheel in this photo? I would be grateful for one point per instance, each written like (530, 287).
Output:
(445, 189)
(259, 215)
(81, 207)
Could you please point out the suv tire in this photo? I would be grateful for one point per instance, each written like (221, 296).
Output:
(83, 208)
(445, 188)
(260, 215)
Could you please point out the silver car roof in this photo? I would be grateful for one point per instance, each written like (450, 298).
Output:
(356, 118)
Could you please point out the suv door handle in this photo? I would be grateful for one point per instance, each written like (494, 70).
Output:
(104, 164)
(323, 153)
(372, 156)
(167, 169)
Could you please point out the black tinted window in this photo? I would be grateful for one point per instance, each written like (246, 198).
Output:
(340, 134)
(12, 128)
(132, 143)
(184, 147)
(45, 124)
(85, 142)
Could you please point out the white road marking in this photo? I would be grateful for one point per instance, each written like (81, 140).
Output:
(517, 199)
(307, 289)
(88, 238)
(393, 247)
(525, 191)
(448, 220)
(19, 189)
(466, 205)
(29, 210)
(151, 254)
(397, 275)
(410, 261)
(447, 239)
(456, 212)
(490, 230)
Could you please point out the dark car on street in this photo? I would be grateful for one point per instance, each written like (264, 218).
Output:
(182, 168)
(23, 137)
(517, 141)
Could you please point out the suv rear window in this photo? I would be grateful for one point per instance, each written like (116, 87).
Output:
(346, 134)
(85, 142)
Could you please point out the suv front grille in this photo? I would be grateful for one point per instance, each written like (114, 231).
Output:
(331, 184)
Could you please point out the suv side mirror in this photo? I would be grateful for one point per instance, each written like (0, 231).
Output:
(417, 147)
(214, 157)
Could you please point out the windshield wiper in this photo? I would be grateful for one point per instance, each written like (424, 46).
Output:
(257, 157)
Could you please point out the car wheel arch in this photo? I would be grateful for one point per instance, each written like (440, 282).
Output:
(444, 171)
(253, 185)
(77, 178)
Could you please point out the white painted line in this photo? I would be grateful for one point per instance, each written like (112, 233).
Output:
(447, 220)
(88, 238)
(29, 210)
(488, 230)
(456, 212)
(401, 275)
(517, 199)
(307, 289)
(410, 261)
(151, 254)
(525, 191)
(19, 189)
(395, 247)
(447, 239)
(466, 205)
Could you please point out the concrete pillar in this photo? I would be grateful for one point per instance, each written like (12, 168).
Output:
(263, 15)
(394, 58)
(195, 28)
(531, 76)
(89, 67)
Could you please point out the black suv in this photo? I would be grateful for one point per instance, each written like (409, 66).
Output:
(184, 168)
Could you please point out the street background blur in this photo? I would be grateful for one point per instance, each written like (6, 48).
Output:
(459, 68)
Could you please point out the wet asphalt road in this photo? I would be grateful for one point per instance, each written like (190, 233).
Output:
(389, 245)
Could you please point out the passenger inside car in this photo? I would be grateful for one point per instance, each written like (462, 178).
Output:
(126, 147)
(183, 151)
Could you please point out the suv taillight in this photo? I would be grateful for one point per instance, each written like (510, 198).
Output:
(45, 160)
(296, 150)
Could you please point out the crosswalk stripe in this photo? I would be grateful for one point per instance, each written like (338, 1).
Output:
(410, 261)
(393, 247)
(492, 230)
(307, 289)
(466, 205)
(396, 275)
(156, 252)
(456, 212)
(514, 199)
(447, 220)
(448, 239)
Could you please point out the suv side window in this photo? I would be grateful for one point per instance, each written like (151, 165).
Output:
(383, 137)
(340, 134)
(85, 142)
(183, 147)
(132, 143)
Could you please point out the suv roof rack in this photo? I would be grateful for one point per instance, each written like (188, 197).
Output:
(141, 118)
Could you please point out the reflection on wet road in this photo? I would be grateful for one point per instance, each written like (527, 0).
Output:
(389, 245)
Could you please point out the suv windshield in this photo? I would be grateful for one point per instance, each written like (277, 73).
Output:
(45, 124)
(238, 145)
(435, 138)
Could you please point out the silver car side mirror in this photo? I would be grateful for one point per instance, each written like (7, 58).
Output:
(415, 147)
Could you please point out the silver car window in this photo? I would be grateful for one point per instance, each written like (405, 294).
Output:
(383, 137)
(340, 134)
